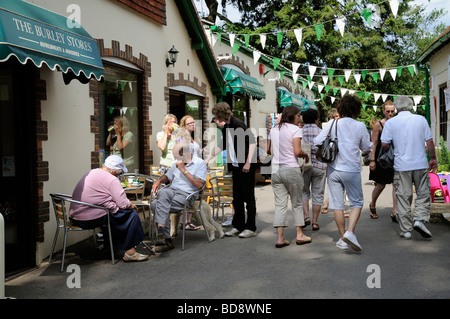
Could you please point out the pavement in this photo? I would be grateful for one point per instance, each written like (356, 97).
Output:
(388, 267)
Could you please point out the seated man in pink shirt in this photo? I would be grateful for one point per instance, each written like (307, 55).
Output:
(101, 187)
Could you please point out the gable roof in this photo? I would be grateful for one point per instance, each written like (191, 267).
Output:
(442, 40)
(201, 45)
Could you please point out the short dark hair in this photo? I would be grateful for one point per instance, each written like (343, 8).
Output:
(222, 111)
(349, 106)
(310, 116)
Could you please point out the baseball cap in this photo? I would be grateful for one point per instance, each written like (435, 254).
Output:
(115, 162)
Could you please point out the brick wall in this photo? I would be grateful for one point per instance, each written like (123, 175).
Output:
(153, 9)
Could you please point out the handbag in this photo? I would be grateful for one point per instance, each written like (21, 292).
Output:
(366, 159)
(386, 158)
(301, 161)
(327, 152)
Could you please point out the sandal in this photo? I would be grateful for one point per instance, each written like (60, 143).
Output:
(191, 226)
(307, 222)
(140, 257)
(373, 213)
(315, 226)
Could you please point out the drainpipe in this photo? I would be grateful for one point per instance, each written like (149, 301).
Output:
(2, 257)
(427, 89)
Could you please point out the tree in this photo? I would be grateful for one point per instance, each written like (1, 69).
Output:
(390, 42)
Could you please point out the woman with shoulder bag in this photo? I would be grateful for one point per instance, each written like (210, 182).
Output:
(378, 174)
(344, 173)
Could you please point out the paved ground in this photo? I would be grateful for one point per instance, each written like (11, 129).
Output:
(234, 268)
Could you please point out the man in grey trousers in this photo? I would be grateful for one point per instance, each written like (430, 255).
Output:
(186, 176)
(409, 133)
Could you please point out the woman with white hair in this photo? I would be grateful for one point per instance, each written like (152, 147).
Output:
(101, 186)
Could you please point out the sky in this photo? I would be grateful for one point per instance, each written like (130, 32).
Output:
(234, 15)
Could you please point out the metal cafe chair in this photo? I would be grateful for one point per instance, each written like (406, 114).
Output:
(137, 194)
(190, 210)
(60, 207)
(222, 192)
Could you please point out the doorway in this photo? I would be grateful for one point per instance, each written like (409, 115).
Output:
(17, 151)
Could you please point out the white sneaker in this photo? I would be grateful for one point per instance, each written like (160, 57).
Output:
(228, 222)
(233, 232)
(341, 244)
(421, 229)
(247, 233)
(350, 239)
(405, 234)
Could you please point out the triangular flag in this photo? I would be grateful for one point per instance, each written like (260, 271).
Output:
(279, 38)
(417, 99)
(341, 79)
(412, 69)
(282, 74)
(340, 22)
(247, 39)
(304, 83)
(360, 94)
(393, 73)
(374, 76)
(394, 7)
(375, 108)
(219, 38)
(366, 95)
(318, 28)
(399, 71)
(367, 15)
(357, 78)
(130, 86)
(298, 35)
(262, 37)
(364, 73)
(382, 72)
(122, 84)
(295, 77)
(236, 47)
(351, 92)
(275, 61)
(320, 87)
(309, 78)
(347, 74)
(322, 96)
(376, 96)
(295, 67)
(364, 106)
(384, 97)
(232, 36)
(327, 88)
(330, 73)
(123, 111)
(311, 84)
(213, 39)
(335, 90)
(343, 91)
(415, 108)
(332, 99)
(256, 56)
(312, 70)
(325, 79)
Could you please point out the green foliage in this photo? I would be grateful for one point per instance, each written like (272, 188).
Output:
(443, 157)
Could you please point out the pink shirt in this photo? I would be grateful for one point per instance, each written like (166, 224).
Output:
(98, 187)
(282, 144)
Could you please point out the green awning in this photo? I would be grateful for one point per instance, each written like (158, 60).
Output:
(287, 98)
(241, 82)
(29, 32)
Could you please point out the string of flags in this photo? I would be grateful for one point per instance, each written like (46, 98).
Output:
(340, 22)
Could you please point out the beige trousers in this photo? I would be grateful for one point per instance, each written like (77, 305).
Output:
(287, 182)
(403, 183)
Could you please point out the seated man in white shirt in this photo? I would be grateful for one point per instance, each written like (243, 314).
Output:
(186, 176)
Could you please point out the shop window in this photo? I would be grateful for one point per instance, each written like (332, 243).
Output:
(119, 108)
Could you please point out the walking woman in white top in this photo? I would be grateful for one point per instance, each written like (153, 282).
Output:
(287, 181)
(344, 173)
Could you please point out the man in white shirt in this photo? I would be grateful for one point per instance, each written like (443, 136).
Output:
(408, 133)
(186, 176)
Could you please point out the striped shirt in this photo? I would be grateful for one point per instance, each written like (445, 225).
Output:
(310, 131)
